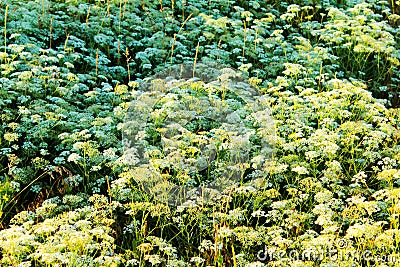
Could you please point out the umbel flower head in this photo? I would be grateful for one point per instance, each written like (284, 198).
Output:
(193, 131)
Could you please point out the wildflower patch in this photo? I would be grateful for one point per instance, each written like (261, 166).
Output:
(193, 130)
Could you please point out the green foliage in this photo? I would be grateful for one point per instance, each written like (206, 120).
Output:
(327, 70)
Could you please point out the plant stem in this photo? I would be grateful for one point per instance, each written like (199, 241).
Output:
(87, 16)
(244, 40)
(195, 58)
(5, 30)
(97, 60)
(51, 31)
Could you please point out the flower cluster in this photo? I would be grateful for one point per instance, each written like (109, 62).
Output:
(94, 130)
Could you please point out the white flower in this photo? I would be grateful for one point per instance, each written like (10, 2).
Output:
(300, 170)
(355, 200)
(311, 155)
(35, 117)
(109, 153)
(279, 204)
(206, 245)
(74, 157)
(245, 189)
(359, 178)
(225, 232)
(78, 145)
(180, 208)
(129, 159)
(69, 65)
(95, 168)
(257, 161)
(44, 152)
(15, 185)
(258, 213)
(323, 196)
(356, 230)
(132, 262)
(153, 259)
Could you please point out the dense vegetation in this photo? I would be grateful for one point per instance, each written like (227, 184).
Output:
(325, 194)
